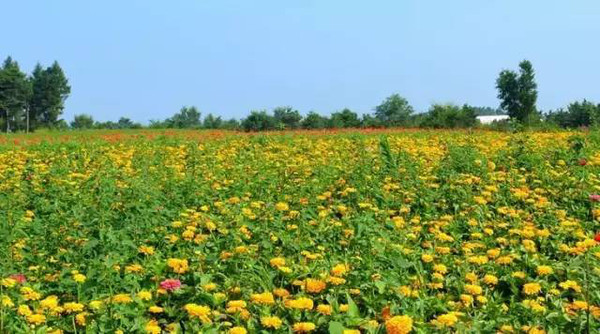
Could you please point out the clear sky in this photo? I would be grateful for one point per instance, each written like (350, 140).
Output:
(146, 58)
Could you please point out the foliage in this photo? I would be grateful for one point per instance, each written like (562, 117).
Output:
(380, 231)
(82, 121)
(394, 111)
(578, 114)
(450, 116)
(518, 93)
(186, 118)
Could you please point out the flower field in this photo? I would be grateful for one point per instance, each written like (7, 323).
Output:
(341, 233)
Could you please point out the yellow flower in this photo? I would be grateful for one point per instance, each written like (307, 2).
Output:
(238, 330)
(49, 303)
(80, 318)
(281, 206)
(8, 282)
(490, 279)
(324, 309)
(351, 331)
(144, 295)
(446, 320)
(198, 311)
(179, 266)
(400, 324)
(265, 298)
(36, 319)
(122, 299)
(426, 258)
(29, 294)
(314, 286)
(301, 303)
(155, 309)
(566, 285)
(304, 327)
(73, 307)
(24, 310)
(277, 262)
(544, 270)
(473, 289)
(146, 250)
(79, 278)
(271, 322)
(153, 327)
(532, 288)
(95, 304)
(340, 270)
(5, 301)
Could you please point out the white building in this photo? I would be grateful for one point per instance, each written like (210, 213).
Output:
(492, 118)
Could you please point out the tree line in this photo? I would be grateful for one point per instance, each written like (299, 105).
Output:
(29, 102)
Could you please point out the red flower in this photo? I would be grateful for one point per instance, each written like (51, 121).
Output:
(582, 162)
(595, 198)
(597, 237)
(170, 284)
(20, 278)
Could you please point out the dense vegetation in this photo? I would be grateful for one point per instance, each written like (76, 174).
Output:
(219, 232)
(37, 101)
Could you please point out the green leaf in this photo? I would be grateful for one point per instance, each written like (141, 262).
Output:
(352, 308)
(336, 327)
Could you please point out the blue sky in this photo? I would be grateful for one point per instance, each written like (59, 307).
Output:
(146, 58)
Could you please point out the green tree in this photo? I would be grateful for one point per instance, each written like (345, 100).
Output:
(15, 90)
(450, 116)
(231, 124)
(345, 119)
(314, 121)
(126, 123)
(576, 115)
(212, 122)
(82, 121)
(187, 117)
(518, 92)
(394, 111)
(50, 90)
(287, 117)
(259, 121)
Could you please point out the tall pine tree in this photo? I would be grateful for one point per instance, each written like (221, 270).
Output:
(15, 91)
(50, 89)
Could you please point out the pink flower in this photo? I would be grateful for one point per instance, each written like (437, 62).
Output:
(595, 198)
(170, 284)
(20, 278)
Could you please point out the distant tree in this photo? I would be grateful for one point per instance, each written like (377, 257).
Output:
(314, 121)
(187, 117)
(394, 111)
(287, 117)
(82, 121)
(576, 115)
(518, 92)
(108, 125)
(15, 91)
(231, 124)
(259, 121)
(345, 119)
(450, 116)
(37, 98)
(212, 122)
(126, 123)
(370, 121)
(50, 89)
(157, 124)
